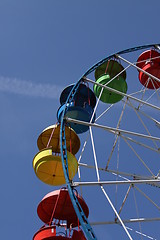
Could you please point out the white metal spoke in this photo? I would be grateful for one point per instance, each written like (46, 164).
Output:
(112, 129)
(148, 181)
(84, 145)
(138, 177)
(150, 97)
(137, 212)
(115, 142)
(116, 213)
(138, 157)
(129, 221)
(142, 234)
(141, 144)
(122, 174)
(123, 94)
(90, 122)
(114, 145)
(145, 127)
(94, 153)
(142, 96)
(138, 92)
(156, 90)
(133, 65)
(95, 108)
(158, 93)
(114, 172)
(116, 192)
(79, 176)
(104, 112)
(145, 114)
(158, 207)
(132, 220)
(124, 200)
(135, 177)
(144, 61)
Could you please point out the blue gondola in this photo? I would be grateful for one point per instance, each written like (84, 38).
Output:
(80, 108)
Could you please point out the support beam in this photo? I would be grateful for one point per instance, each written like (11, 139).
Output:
(126, 221)
(148, 181)
(111, 129)
(140, 69)
(122, 94)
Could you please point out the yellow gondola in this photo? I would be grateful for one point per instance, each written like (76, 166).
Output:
(48, 167)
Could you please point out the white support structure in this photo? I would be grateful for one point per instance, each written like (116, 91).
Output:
(143, 181)
(116, 213)
(133, 65)
(123, 94)
(132, 220)
(112, 129)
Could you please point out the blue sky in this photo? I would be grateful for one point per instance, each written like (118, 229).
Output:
(46, 45)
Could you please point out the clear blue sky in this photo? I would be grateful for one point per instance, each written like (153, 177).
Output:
(46, 45)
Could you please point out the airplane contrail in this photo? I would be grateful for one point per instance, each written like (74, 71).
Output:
(28, 88)
(45, 90)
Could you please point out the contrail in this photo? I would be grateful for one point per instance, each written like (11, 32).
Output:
(28, 88)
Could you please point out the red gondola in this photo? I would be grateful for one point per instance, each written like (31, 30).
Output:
(49, 233)
(57, 205)
(149, 61)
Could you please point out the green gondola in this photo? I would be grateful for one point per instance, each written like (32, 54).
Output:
(104, 75)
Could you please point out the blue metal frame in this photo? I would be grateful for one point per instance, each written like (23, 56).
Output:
(79, 211)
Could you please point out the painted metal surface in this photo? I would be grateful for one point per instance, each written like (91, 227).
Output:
(50, 137)
(49, 233)
(83, 95)
(111, 67)
(79, 113)
(48, 167)
(58, 205)
(109, 96)
(151, 66)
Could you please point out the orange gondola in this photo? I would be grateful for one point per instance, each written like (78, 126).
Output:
(50, 138)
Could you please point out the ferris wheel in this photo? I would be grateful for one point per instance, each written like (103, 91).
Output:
(104, 152)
